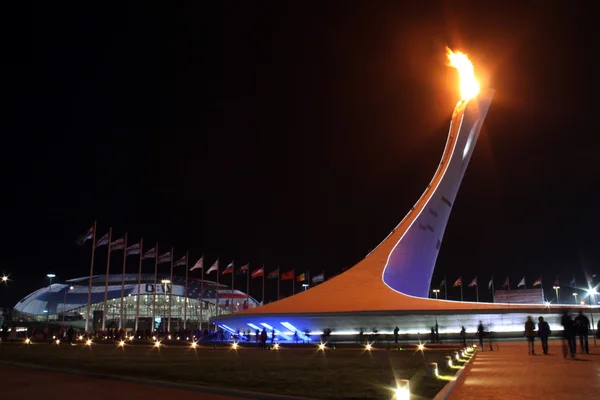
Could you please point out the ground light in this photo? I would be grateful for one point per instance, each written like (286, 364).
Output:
(57, 341)
(88, 342)
(234, 345)
(122, 343)
(276, 346)
(421, 346)
(402, 391)
(322, 346)
(80, 337)
(194, 345)
(157, 344)
(368, 346)
(27, 341)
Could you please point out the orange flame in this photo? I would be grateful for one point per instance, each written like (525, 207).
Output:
(469, 87)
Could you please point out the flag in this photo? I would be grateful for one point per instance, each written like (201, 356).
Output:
(287, 276)
(228, 269)
(214, 267)
(165, 258)
(133, 249)
(572, 281)
(507, 283)
(521, 282)
(301, 278)
(538, 282)
(443, 283)
(244, 269)
(458, 282)
(490, 284)
(318, 278)
(150, 253)
(103, 241)
(258, 272)
(199, 264)
(273, 274)
(555, 282)
(473, 282)
(180, 262)
(85, 237)
(118, 244)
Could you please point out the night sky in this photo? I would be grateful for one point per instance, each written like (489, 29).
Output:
(295, 134)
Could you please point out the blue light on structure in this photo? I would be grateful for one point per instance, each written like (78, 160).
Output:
(295, 330)
(253, 326)
(227, 328)
(278, 332)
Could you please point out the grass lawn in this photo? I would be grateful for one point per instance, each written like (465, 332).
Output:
(308, 372)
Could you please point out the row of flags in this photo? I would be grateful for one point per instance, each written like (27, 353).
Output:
(537, 282)
(135, 249)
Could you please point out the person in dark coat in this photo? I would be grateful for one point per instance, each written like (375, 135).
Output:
(463, 336)
(543, 333)
(480, 334)
(568, 335)
(263, 339)
(582, 328)
(396, 330)
(530, 335)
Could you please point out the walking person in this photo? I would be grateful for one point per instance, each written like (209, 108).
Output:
(543, 333)
(582, 327)
(463, 336)
(530, 335)
(263, 339)
(480, 334)
(568, 334)
(396, 330)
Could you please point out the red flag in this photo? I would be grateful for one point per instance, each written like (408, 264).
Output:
(538, 282)
(458, 282)
(506, 284)
(258, 272)
(301, 278)
(287, 276)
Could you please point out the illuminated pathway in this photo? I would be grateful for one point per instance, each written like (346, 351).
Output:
(511, 373)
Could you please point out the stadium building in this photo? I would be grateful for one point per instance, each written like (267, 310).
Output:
(68, 301)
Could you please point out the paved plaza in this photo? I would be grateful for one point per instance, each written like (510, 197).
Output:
(510, 373)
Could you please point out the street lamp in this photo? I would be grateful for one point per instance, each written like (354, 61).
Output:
(556, 287)
(436, 291)
(305, 286)
(4, 279)
(51, 276)
(575, 295)
(165, 282)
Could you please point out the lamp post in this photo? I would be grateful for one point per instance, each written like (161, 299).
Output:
(50, 276)
(436, 291)
(575, 295)
(592, 293)
(165, 282)
(4, 279)
(305, 286)
(65, 304)
(556, 288)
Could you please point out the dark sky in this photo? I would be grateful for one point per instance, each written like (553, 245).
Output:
(295, 133)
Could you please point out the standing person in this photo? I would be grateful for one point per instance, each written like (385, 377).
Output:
(568, 334)
(543, 333)
(396, 330)
(70, 333)
(582, 327)
(463, 336)
(263, 339)
(272, 336)
(480, 334)
(437, 333)
(530, 335)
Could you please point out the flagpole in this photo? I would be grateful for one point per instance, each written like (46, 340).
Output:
(493, 291)
(89, 304)
(170, 294)
(461, 288)
(248, 287)
(137, 308)
(154, 287)
(202, 293)
(446, 288)
(123, 282)
(105, 309)
(263, 285)
(293, 281)
(185, 298)
(477, 288)
(217, 291)
(278, 281)
(308, 277)
(232, 284)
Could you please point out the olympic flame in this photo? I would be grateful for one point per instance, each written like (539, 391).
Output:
(469, 87)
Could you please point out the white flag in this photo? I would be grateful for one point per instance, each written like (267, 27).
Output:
(199, 264)
(215, 267)
(522, 282)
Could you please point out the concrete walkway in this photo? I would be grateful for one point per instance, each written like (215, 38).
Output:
(510, 373)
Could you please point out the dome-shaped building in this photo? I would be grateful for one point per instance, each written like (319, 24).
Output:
(68, 301)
